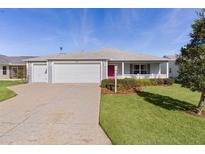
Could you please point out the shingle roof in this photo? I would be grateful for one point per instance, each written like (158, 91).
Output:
(13, 60)
(3, 59)
(109, 54)
(170, 57)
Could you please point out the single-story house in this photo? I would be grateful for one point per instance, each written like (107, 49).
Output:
(94, 66)
(173, 68)
(10, 66)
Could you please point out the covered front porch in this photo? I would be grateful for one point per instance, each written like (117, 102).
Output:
(138, 70)
(17, 71)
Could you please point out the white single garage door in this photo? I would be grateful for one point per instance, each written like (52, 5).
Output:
(40, 73)
(76, 73)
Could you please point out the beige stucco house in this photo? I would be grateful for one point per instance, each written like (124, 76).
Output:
(94, 66)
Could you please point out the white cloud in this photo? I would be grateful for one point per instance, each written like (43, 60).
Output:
(81, 29)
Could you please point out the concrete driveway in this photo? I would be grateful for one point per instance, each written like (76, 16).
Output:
(52, 114)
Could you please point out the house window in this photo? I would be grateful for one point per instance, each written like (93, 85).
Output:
(145, 69)
(136, 69)
(139, 68)
(4, 70)
(170, 70)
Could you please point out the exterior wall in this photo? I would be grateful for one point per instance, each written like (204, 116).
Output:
(7, 73)
(49, 71)
(163, 68)
(29, 72)
(154, 68)
(173, 69)
(127, 68)
(104, 69)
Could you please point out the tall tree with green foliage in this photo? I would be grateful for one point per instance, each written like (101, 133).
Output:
(191, 60)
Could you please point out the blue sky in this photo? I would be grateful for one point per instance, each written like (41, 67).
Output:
(43, 31)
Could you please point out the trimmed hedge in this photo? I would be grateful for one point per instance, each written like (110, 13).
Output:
(169, 81)
(128, 83)
(123, 84)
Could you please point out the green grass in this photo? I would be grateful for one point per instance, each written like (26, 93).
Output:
(6, 93)
(155, 116)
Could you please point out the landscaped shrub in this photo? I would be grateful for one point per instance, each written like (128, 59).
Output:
(121, 87)
(21, 74)
(169, 81)
(156, 82)
(143, 82)
(129, 83)
(177, 80)
(108, 83)
(160, 81)
(123, 84)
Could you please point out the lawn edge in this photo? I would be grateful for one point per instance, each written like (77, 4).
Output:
(9, 88)
(100, 121)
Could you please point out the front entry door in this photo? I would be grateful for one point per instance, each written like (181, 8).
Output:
(111, 71)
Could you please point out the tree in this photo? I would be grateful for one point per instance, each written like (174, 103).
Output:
(191, 60)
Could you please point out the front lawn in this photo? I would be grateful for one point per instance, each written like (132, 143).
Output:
(155, 116)
(6, 93)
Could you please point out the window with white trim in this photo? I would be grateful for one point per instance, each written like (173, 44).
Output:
(4, 70)
(139, 68)
(136, 69)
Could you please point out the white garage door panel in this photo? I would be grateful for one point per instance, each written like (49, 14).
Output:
(39, 73)
(76, 73)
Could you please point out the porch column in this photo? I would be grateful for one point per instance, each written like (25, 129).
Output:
(123, 69)
(159, 72)
(167, 64)
(27, 74)
(106, 69)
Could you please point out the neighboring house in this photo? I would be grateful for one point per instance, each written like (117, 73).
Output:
(10, 66)
(173, 68)
(92, 67)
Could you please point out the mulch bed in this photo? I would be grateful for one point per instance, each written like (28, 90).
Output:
(106, 91)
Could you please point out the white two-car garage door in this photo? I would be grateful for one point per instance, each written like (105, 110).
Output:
(76, 73)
